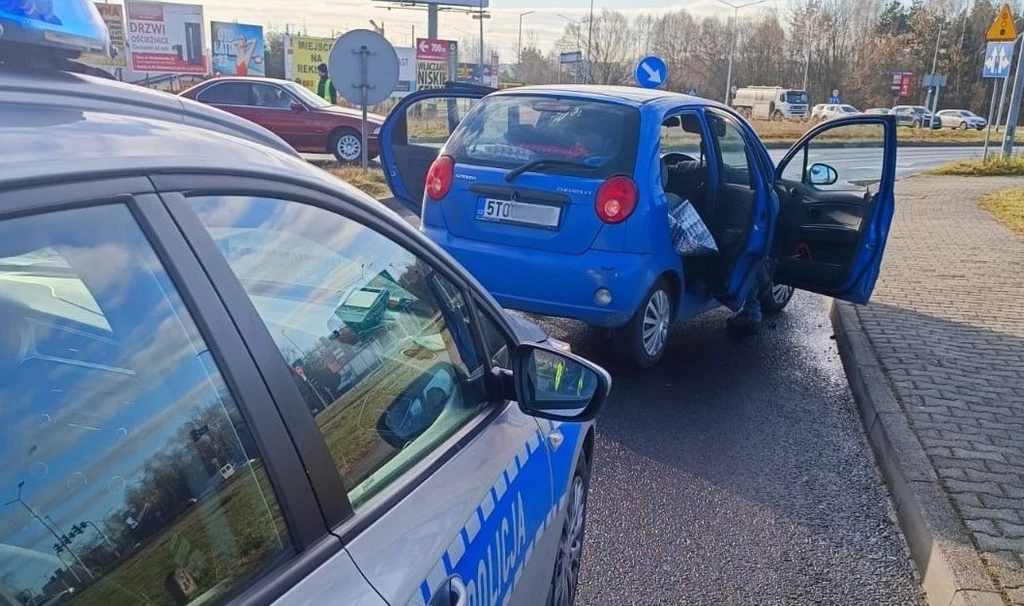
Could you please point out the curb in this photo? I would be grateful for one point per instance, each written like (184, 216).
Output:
(952, 572)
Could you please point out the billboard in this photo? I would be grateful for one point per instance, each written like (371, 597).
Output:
(406, 71)
(301, 56)
(165, 38)
(113, 18)
(460, 3)
(237, 49)
(436, 62)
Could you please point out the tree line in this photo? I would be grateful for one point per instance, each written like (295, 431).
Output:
(853, 46)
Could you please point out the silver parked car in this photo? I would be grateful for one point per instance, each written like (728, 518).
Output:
(961, 119)
(180, 296)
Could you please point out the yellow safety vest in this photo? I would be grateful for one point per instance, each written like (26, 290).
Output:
(327, 91)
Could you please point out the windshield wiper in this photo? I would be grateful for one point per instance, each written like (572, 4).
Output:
(532, 164)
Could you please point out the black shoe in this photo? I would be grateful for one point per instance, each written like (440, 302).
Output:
(741, 323)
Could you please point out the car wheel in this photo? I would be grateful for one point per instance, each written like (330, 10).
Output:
(776, 298)
(963, 126)
(641, 342)
(777, 116)
(566, 577)
(347, 146)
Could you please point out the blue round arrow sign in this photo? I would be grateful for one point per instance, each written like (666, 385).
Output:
(651, 72)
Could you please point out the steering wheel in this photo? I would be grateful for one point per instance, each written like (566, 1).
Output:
(673, 158)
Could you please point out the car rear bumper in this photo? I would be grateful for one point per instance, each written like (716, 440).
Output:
(555, 284)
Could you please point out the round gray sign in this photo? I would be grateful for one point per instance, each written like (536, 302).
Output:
(360, 54)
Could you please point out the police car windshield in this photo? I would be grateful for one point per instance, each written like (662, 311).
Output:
(306, 95)
(579, 137)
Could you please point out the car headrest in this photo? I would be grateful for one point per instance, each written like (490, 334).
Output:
(664, 173)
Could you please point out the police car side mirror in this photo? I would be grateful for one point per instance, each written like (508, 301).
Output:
(556, 385)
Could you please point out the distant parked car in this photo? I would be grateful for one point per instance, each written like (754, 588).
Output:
(837, 110)
(878, 111)
(916, 116)
(961, 118)
(292, 112)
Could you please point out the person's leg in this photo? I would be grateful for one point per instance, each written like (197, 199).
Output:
(749, 318)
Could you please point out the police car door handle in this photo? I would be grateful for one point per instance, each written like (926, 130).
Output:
(555, 439)
(452, 592)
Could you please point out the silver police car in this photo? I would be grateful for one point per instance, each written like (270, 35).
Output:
(227, 377)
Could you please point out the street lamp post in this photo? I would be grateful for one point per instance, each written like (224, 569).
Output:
(590, 36)
(735, 34)
(519, 52)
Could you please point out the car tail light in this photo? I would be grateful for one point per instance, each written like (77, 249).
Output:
(440, 177)
(616, 199)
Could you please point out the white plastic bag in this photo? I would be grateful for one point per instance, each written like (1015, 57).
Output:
(690, 237)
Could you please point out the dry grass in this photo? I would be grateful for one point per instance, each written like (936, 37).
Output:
(772, 132)
(370, 180)
(993, 167)
(1008, 207)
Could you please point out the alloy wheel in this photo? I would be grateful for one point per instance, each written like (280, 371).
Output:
(570, 546)
(657, 316)
(349, 147)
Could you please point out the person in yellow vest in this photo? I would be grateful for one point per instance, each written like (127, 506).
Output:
(325, 88)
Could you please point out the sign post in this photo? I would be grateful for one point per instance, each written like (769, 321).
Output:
(1014, 114)
(998, 64)
(364, 66)
(998, 58)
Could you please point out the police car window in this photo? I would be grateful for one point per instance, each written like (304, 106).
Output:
(227, 93)
(379, 344)
(129, 474)
(732, 146)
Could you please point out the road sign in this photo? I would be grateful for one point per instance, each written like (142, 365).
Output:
(364, 69)
(1003, 29)
(570, 57)
(933, 80)
(651, 72)
(897, 80)
(998, 58)
(692, 91)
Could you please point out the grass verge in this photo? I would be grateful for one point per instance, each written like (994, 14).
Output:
(1008, 207)
(370, 180)
(993, 167)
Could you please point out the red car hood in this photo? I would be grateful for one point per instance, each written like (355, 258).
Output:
(352, 113)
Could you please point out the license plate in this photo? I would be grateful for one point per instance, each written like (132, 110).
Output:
(508, 211)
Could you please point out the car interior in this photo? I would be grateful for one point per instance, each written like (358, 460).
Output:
(725, 207)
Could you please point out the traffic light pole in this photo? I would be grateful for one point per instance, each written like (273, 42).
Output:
(1015, 100)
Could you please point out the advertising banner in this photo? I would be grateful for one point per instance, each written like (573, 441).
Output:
(406, 72)
(237, 49)
(165, 38)
(113, 17)
(436, 62)
(301, 56)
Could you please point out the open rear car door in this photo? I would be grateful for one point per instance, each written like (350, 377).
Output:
(414, 133)
(836, 203)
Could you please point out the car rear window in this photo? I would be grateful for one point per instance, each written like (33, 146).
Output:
(507, 131)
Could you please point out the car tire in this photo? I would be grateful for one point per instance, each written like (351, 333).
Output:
(347, 146)
(654, 316)
(566, 576)
(777, 116)
(963, 126)
(775, 298)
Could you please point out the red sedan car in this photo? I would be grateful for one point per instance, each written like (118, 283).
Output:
(292, 112)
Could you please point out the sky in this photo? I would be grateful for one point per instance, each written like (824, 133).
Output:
(544, 25)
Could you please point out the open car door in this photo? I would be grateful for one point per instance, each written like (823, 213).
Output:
(836, 202)
(414, 133)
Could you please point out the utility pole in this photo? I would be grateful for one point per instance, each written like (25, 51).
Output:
(58, 537)
(481, 41)
(590, 37)
(431, 21)
(935, 62)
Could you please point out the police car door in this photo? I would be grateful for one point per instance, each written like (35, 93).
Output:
(477, 523)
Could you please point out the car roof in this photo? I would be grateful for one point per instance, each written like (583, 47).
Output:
(626, 95)
(25, 90)
(247, 79)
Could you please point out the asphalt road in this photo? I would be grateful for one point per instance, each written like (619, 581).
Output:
(737, 472)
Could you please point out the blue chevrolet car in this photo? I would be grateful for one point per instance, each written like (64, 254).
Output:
(557, 199)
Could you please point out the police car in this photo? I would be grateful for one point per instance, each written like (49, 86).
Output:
(184, 304)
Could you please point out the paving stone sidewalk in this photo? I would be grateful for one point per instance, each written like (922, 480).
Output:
(947, 324)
